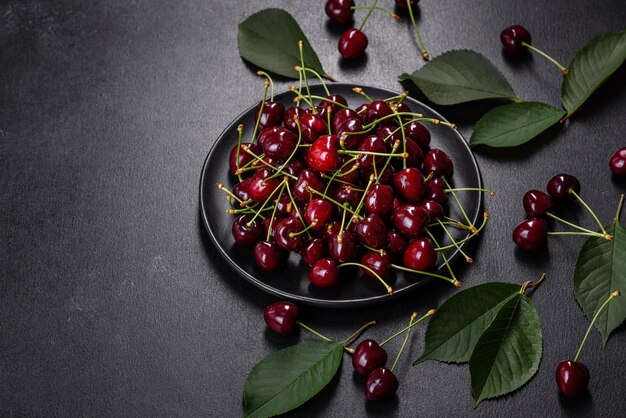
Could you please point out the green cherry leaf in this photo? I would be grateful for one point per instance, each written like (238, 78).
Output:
(269, 39)
(460, 320)
(514, 124)
(458, 77)
(508, 353)
(600, 269)
(287, 378)
(591, 67)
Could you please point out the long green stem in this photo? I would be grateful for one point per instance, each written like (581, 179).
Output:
(258, 118)
(368, 15)
(443, 255)
(380, 279)
(580, 199)
(458, 202)
(472, 235)
(403, 330)
(563, 69)
(382, 9)
(606, 302)
(580, 228)
(316, 74)
(467, 258)
(358, 332)
(456, 283)
(306, 79)
(406, 338)
(417, 31)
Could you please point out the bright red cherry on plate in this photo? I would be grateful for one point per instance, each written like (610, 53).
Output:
(238, 160)
(312, 126)
(512, 38)
(377, 262)
(435, 189)
(367, 356)
(531, 234)
(372, 231)
(271, 115)
(418, 133)
(313, 250)
(572, 377)
(437, 162)
(281, 317)
(378, 109)
(319, 211)
(331, 105)
(409, 184)
(307, 178)
(245, 230)
(381, 384)
(379, 199)
(410, 220)
(324, 273)
(352, 43)
(420, 255)
(280, 144)
(287, 234)
(268, 255)
(342, 247)
(322, 155)
(617, 163)
(262, 185)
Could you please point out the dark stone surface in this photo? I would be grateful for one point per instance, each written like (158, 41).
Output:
(112, 299)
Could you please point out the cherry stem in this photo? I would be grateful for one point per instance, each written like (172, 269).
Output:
(455, 282)
(326, 99)
(239, 138)
(303, 97)
(471, 189)
(380, 279)
(360, 91)
(563, 69)
(258, 119)
(343, 222)
(279, 171)
(362, 201)
(580, 228)
(323, 337)
(331, 200)
(467, 258)
(620, 205)
(302, 231)
(306, 80)
(293, 202)
(406, 338)
(417, 31)
(606, 302)
(382, 9)
(269, 228)
(262, 161)
(531, 284)
(443, 256)
(316, 74)
(458, 202)
(472, 235)
(266, 75)
(374, 153)
(229, 193)
(403, 330)
(398, 99)
(395, 147)
(580, 199)
(358, 332)
(368, 15)
(267, 200)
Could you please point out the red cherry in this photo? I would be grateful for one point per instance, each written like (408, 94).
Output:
(367, 356)
(420, 255)
(313, 250)
(432, 208)
(409, 184)
(307, 178)
(536, 203)
(371, 143)
(281, 317)
(284, 234)
(418, 133)
(312, 126)
(380, 385)
(435, 189)
(289, 118)
(261, 186)
(617, 163)
(320, 211)
(245, 234)
(560, 185)
(322, 155)
(331, 106)
(241, 189)
(280, 144)
(437, 162)
(410, 220)
(379, 199)
(352, 43)
(531, 234)
(324, 273)
(396, 242)
(377, 262)
(342, 249)
(269, 256)
(572, 377)
(512, 38)
(340, 11)
(372, 231)
(346, 133)
(377, 110)
(342, 115)
(272, 114)
(235, 163)
(345, 193)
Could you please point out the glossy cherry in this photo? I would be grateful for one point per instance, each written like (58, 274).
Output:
(415, 155)
(312, 126)
(281, 317)
(432, 208)
(437, 162)
(410, 220)
(346, 131)
(340, 11)
(531, 234)
(345, 193)
(376, 261)
(418, 133)
(396, 242)
(559, 188)
(572, 377)
(378, 109)
(271, 115)
(280, 144)
(371, 143)
(409, 184)
(352, 43)
(379, 199)
(435, 189)
(246, 231)
(420, 255)
(324, 273)
(289, 118)
(320, 211)
(268, 255)
(617, 163)
(313, 250)
(342, 247)
(512, 38)
(331, 105)
(287, 234)
(261, 185)
(237, 161)
(381, 384)
(322, 155)
(241, 190)
(367, 356)
(342, 115)
(307, 178)
(372, 231)
(536, 203)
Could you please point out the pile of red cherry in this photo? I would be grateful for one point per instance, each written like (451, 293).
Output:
(338, 185)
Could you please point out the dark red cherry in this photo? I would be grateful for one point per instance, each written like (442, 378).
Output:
(396, 242)
(237, 161)
(371, 143)
(410, 220)
(281, 317)
(307, 178)
(331, 228)
(378, 110)
(381, 384)
(289, 118)
(386, 177)
(324, 273)
(284, 234)
(409, 184)
(341, 116)
(322, 155)
(418, 133)
(437, 162)
(432, 208)
(313, 250)
(320, 211)
(261, 186)
(345, 193)
(340, 11)
(379, 199)
(536, 203)
(272, 114)
(352, 43)
(617, 163)
(312, 127)
(402, 4)
(560, 185)
(372, 231)
(245, 230)
(294, 167)
(415, 157)
(531, 234)
(267, 132)
(377, 262)
(367, 356)
(331, 105)
(342, 246)
(512, 38)
(280, 144)
(241, 189)
(283, 205)
(572, 377)
(269, 256)
(266, 226)
(362, 109)
(434, 189)
(346, 132)
(420, 255)
(389, 134)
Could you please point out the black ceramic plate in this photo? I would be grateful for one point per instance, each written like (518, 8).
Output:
(291, 282)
